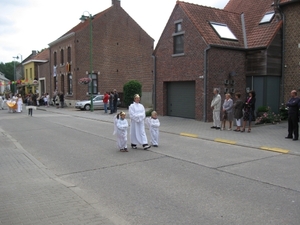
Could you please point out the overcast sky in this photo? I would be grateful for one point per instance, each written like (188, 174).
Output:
(27, 25)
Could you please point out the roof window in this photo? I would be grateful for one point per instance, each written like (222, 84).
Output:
(267, 17)
(223, 31)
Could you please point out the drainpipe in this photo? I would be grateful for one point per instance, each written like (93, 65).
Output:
(283, 49)
(205, 84)
(154, 83)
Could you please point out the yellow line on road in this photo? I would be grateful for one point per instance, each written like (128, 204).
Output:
(225, 141)
(189, 135)
(279, 150)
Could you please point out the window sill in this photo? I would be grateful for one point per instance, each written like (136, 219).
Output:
(178, 55)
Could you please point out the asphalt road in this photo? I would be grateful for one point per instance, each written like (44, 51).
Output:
(184, 181)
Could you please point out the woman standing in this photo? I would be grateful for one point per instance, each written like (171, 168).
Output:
(238, 111)
(137, 127)
(249, 107)
(20, 103)
(227, 111)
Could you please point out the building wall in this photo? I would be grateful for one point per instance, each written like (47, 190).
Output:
(122, 51)
(190, 67)
(292, 49)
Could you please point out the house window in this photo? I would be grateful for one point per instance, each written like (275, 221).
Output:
(30, 73)
(55, 83)
(94, 84)
(178, 38)
(26, 74)
(55, 58)
(62, 83)
(70, 87)
(62, 57)
(267, 17)
(223, 31)
(69, 54)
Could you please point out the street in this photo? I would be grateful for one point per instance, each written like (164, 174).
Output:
(184, 181)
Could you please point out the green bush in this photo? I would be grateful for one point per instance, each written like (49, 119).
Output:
(263, 109)
(283, 111)
(148, 113)
(130, 89)
(268, 117)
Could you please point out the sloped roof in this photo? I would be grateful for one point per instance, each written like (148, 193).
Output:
(201, 16)
(81, 25)
(42, 57)
(258, 35)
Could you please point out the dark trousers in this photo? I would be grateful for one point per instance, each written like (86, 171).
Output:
(111, 107)
(115, 106)
(293, 126)
(30, 112)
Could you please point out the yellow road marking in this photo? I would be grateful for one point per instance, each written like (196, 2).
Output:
(189, 135)
(280, 150)
(225, 141)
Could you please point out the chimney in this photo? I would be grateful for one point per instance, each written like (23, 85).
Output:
(116, 2)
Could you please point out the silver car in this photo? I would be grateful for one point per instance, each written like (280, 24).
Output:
(97, 103)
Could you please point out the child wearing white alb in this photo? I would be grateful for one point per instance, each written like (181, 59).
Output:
(153, 124)
(121, 126)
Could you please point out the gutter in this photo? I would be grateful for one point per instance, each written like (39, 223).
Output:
(283, 52)
(205, 84)
(244, 30)
(154, 83)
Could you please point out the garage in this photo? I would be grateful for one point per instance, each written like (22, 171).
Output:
(181, 99)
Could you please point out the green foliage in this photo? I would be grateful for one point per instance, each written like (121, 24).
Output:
(263, 109)
(8, 69)
(268, 117)
(283, 111)
(148, 113)
(131, 88)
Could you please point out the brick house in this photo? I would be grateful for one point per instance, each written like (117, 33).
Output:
(235, 49)
(289, 11)
(122, 51)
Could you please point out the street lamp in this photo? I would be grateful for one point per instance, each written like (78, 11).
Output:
(16, 57)
(84, 18)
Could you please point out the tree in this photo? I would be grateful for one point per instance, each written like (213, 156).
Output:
(130, 89)
(8, 69)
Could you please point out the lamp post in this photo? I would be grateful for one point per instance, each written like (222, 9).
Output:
(16, 57)
(83, 18)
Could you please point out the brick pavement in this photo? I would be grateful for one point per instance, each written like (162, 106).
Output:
(30, 194)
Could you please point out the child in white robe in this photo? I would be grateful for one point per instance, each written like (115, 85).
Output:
(153, 124)
(121, 126)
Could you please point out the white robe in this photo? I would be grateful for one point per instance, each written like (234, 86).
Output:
(137, 126)
(153, 125)
(121, 127)
(20, 103)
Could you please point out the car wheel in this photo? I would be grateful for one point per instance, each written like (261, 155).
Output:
(87, 107)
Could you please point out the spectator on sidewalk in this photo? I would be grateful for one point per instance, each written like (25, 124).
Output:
(115, 101)
(293, 116)
(111, 104)
(216, 107)
(249, 108)
(238, 111)
(105, 101)
(227, 112)
(1, 102)
(62, 99)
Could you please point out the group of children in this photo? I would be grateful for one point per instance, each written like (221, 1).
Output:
(121, 127)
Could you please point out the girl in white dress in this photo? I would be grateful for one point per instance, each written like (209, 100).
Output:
(121, 126)
(20, 104)
(153, 124)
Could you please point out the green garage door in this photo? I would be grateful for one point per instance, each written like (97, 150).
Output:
(181, 99)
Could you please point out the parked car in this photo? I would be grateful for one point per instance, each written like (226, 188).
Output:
(97, 103)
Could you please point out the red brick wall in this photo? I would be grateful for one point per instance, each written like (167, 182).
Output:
(190, 66)
(292, 49)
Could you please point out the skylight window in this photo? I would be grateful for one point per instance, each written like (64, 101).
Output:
(223, 31)
(267, 17)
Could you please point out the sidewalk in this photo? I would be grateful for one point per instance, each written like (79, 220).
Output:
(268, 137)
(31, 195)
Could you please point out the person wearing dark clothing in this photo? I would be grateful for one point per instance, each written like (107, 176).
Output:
(293, 116)
(249, 108)
(116, 96)
(30, 104)
(111, 104)
(62, 99)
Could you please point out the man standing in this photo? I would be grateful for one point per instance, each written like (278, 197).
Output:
(116, 96)
(62, 99)
(293, 116)
(216, 107)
